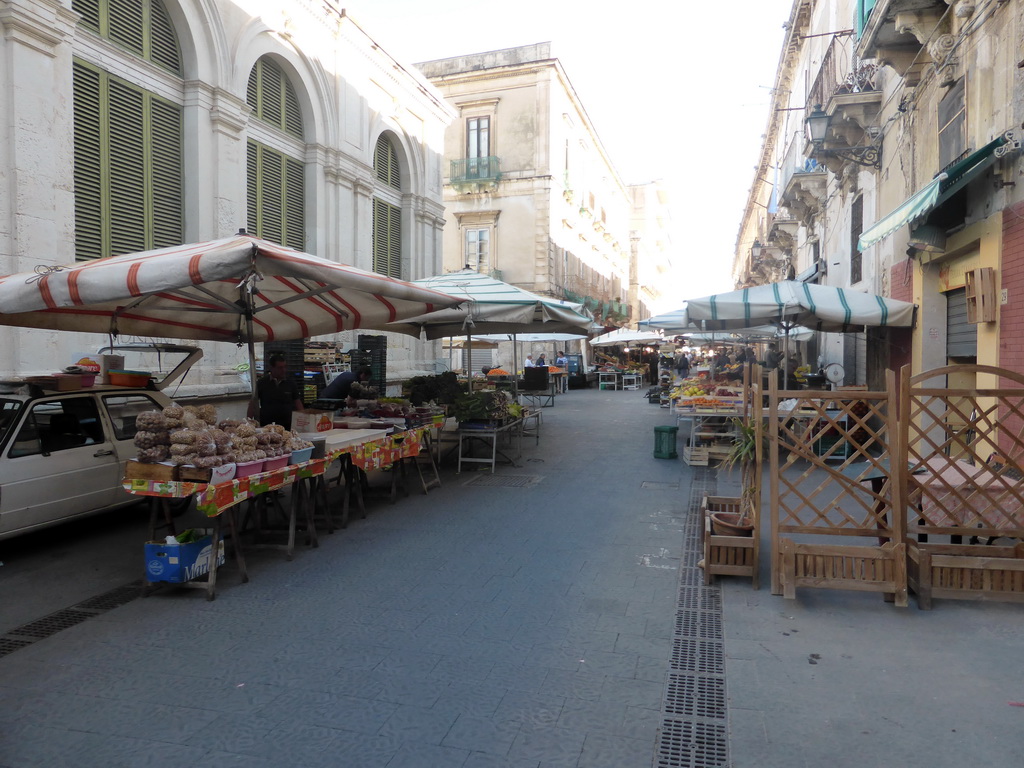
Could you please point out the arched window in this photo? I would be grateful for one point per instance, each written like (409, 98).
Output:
(387, 211)
(128, 140)
(275, 169)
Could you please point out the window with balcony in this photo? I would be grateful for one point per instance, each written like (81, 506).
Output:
(856, 228)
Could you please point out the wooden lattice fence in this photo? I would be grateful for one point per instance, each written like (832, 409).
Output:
(831, 483)
(964, 450)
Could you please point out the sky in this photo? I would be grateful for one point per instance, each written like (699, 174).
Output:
(677, 91)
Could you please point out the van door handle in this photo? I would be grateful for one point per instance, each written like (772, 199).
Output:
(103, 453)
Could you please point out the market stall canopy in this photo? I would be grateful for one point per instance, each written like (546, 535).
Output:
(491, 307)
(530, 337)
(760, 333)
(789, 304)
(205, 291)
(671, 323)
(625, 336)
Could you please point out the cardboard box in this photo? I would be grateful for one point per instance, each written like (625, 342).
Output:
(178, 563)
(161, 473)
(312, 421)
(110, 363)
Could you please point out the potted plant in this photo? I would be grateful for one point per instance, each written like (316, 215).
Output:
(743, 453)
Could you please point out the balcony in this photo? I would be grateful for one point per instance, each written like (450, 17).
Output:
(849, 97)
(475, 174)
(802, 182)
(896, 32)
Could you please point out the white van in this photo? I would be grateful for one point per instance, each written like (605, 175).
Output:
(62, 453)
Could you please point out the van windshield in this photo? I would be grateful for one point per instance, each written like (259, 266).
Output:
(9, 410)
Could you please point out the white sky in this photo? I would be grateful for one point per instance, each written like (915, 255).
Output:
(677, 90)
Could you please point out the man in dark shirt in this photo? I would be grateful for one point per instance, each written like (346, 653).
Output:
(340, 388)
(278, 395)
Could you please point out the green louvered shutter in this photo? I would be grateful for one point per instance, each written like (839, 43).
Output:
(127, 169)
(292, 113)
(294, 205)
(252, 188)
(89, 10)
(394, 242)
(167, 179)
(126, 25)
(272, 197)
(89, 170)
(385, 163)
(163, 42)
(273, 99)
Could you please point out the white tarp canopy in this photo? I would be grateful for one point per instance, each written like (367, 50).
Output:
(625, 336)
(239, 289)
(761, 333)
(491, 306)
(789, 303)
(671, 323)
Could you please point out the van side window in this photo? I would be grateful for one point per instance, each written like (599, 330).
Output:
(58, 425)
(123, 409)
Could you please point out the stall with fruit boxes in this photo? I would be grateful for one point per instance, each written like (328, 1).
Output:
(711, 409)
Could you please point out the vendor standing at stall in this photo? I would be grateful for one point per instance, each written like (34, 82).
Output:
(277, 393)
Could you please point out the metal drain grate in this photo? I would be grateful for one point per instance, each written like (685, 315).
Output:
(696, 696)
(689, 655)
(10, 645)
(702, 624)
(693, 731)
(505, 481)
(684, 744)
(26, 634)
(52, 624)
(654, 486)
(115, 598)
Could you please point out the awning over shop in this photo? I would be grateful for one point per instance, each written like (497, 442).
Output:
(933, 194)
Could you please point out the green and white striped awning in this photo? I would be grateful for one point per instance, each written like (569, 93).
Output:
(933, 194)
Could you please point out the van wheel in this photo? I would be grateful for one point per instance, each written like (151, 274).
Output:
(180, 506)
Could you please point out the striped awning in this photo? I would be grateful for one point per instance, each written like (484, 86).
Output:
(933, 194)
(491, 306)
(216, 291)
(789, 303)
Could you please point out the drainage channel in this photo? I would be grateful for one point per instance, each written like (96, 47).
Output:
(39, 629)
(694, 726)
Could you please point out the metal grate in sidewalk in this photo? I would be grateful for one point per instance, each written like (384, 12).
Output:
(694, 732)
(47, 626)
(505, 481)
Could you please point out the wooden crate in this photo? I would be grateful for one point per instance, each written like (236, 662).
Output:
(730, 555)
(696, 457)
(161, 473)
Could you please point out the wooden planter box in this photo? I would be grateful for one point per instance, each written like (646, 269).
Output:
(730, 555)
(965, 572)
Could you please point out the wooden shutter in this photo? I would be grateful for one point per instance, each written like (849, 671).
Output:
(294, 204)
(127, 192)
(387, 239)
(89, 171)
(125, 24)
(252, 188)
(273, 99)
(167, 180)
(385, 163)
(163, 42)
(272, 195)
(89, 10)
(394, 242)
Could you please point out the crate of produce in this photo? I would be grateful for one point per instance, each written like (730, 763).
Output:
(159, 473)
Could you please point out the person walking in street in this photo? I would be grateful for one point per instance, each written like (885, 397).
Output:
(277, 394)
(682, 365)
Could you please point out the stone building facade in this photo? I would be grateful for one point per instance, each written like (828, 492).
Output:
(138, 125)
(532, 196)
(910, 189)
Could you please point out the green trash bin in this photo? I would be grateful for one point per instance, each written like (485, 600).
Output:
(665, 442)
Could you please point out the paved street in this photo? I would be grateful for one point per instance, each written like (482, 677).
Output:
(553, 616)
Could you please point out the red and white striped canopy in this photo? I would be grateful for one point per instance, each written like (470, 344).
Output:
(202, 291)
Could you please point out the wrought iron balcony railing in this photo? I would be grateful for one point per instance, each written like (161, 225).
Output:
(475, 169)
